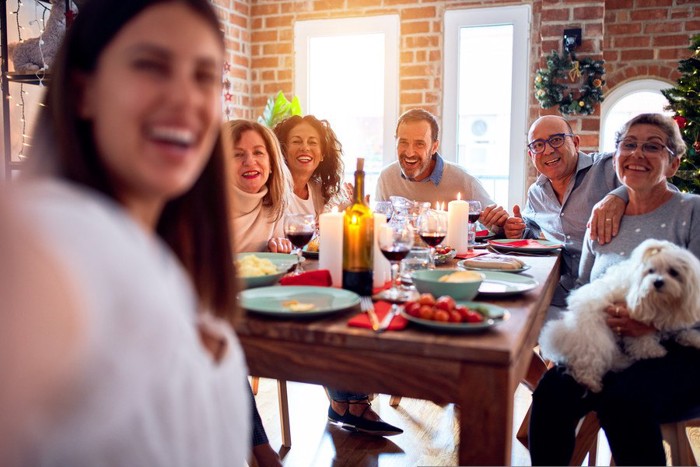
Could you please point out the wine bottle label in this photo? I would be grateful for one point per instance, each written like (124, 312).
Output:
(359, 282)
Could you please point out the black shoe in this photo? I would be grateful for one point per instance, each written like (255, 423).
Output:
(357, 424)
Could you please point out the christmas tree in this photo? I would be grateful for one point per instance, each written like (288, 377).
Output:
(684, 100)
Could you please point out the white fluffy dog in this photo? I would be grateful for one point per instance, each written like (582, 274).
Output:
(660, 284)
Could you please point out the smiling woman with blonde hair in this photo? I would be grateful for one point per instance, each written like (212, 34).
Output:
(259, 186)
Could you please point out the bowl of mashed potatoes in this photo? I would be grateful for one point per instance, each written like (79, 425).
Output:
(262, 269)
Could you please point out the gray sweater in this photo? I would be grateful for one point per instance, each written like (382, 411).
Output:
(677, 220)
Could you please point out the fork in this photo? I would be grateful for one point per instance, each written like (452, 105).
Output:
(368, 307)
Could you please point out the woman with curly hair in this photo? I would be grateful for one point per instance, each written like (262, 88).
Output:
(314, 157)
(259, 187)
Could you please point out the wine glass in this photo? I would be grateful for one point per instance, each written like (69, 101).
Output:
(384, 207)
(474, 213)
(395, 240)
(432, 228)
(299, 229)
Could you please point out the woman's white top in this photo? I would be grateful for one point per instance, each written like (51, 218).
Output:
(149, 394)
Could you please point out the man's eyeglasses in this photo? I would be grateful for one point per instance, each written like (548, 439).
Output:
(649, 148)
(555, 141)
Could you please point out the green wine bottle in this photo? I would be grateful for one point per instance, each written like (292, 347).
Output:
(358, 239)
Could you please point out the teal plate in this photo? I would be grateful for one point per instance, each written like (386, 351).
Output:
(493, 314)
(501, 284)
(525, 246)
(273, 301)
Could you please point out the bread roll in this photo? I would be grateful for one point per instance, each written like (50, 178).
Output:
(492, 261)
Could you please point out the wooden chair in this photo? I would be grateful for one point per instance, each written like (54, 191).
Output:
(284, 408)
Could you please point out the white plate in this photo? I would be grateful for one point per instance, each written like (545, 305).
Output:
(502, 284)
(493, 314)
(270, 301)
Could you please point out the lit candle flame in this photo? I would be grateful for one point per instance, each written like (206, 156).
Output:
(335, 209)
(459, 195)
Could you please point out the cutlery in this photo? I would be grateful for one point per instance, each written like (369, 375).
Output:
(386, 321)
(368, 307)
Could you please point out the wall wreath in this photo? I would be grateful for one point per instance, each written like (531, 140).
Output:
(552, 83)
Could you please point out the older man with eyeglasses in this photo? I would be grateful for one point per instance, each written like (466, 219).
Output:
(564, 196)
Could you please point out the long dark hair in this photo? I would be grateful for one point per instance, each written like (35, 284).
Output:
(329, 172)
(195, 224)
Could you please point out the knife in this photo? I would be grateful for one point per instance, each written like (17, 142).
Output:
(368, 307)
(386, 321)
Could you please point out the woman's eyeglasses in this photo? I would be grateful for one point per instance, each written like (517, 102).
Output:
(555, 141)
(649, 148)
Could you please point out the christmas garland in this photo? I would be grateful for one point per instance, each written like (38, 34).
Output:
(552, 89)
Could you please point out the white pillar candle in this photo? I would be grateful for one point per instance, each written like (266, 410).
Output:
(330, 245)
(458, 226)
(382, 266)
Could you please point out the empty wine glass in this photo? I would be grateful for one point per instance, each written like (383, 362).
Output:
(384, 207)
(432, 228)
(395, 241)
(474, 213)
(299, 229)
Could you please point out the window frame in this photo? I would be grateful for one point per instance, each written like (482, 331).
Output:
(520, 16)
(388, 25)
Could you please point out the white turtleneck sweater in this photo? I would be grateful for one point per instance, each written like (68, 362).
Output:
(253, 223)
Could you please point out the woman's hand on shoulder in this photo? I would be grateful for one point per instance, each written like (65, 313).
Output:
(279, 245)
(605, 219)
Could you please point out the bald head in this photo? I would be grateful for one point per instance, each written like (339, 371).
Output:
(551, 122)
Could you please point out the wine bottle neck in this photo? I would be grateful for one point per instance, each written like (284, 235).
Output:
(359, 187)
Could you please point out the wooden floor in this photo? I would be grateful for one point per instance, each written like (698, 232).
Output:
(429, 438)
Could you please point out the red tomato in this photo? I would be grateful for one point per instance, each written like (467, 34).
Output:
(463, 311)
(455, 317)
(412, 308)
(474, 317)
(441, 315)
(426, 299)
(446, 303)
(426, 312)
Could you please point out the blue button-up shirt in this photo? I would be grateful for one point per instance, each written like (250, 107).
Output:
(565, 222)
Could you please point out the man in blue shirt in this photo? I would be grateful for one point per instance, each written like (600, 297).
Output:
(563, 198)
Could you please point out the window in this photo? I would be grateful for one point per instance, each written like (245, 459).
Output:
(486, 92)
(626, 101)
(347, 73)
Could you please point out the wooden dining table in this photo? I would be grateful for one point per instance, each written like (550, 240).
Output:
(478, 371)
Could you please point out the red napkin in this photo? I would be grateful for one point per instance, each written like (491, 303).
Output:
(381, 308)
(482, 233)
(319, 277)
(471, 254)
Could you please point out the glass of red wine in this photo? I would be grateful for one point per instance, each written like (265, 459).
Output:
(395, 240)
(474, 213)
(432, 228)
(299, 229)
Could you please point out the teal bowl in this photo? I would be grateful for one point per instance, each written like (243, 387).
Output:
(428, 281)
(282, 262)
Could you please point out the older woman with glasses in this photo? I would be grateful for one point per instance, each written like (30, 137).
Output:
(634, 402)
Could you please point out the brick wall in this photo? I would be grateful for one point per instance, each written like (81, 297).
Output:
(637, 39)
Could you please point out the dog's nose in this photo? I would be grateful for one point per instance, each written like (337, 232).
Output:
(658, 283)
